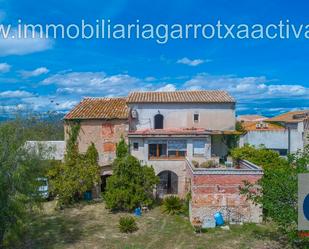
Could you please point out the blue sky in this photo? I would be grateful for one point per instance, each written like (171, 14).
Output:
(265, 76)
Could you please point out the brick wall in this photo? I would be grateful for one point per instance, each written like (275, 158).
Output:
(214, 192)
(105, 134)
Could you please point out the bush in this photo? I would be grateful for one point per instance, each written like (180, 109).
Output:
(127, 224)
(208, 164)
(278, 187)
(195, 163)
(172, 205)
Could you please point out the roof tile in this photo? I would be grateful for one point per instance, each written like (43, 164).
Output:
(211, 96)
(99, 108)
(291, 117)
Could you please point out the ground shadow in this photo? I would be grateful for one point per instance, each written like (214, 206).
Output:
(48, 231)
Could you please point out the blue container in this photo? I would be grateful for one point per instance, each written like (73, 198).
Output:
(88, 196)
(138, 212)
(219, 219)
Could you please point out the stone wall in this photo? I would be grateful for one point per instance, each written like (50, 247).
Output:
(220, 192)
(105, 134)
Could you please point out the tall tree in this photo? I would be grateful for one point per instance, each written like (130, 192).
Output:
(77, 174)
(19, 172)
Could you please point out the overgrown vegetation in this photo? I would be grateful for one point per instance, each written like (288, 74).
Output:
(79, 172)
(127, 224)
(278, 187)
(131, 184)
(20, 169)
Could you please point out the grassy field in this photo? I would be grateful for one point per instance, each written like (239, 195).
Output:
(91, 226)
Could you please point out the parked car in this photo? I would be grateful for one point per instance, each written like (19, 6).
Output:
(43, 187)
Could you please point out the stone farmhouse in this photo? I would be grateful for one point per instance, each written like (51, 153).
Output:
(184, 135)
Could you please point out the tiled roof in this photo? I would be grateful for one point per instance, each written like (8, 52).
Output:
(100, 108)
(251, 126)
(291, 117)
(214, 96)
(250, 118)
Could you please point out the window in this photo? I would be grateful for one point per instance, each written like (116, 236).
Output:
(158, 150)
(198, 147)
(196, 117)
(177, 148)
(158, 121)
(135, 146)
(167, 149)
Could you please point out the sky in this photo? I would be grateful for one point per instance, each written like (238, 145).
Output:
(265, 76)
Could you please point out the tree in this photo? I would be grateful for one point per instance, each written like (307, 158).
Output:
(278, 192)
(19, 172)
(79, 172)
(131, 184)
(122, 149)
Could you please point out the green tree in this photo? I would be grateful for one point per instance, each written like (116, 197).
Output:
(278, 187)
(131, 184)
(20, 168)
(79, 172)
(122, 149)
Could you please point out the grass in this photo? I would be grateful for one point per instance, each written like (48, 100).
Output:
(93, 226)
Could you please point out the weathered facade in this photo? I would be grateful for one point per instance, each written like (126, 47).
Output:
(103, 121)
(170, 131)
(217, 190)
(168, 127)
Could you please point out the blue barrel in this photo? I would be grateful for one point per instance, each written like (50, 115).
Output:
(219, 219)
(138, 212)
(88, 196)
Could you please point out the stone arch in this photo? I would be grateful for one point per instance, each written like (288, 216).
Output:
(168, 183)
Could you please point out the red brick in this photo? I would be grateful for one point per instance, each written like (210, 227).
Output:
(109, 147)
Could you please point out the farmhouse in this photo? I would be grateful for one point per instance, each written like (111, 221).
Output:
(184, 135)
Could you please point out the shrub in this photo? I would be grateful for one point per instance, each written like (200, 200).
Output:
(208, 164)
(172, 205)
(195, 163)
(127, 224)
(278, 187)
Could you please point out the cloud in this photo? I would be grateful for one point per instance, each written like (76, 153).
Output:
(4, 67)
(49, 103)
(167, 88)
(23, 46)
(96, 83)
(192, 63)
(15, 94)
(37, 72)
(247, 87)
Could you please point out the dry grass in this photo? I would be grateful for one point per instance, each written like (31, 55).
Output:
(92, 226)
